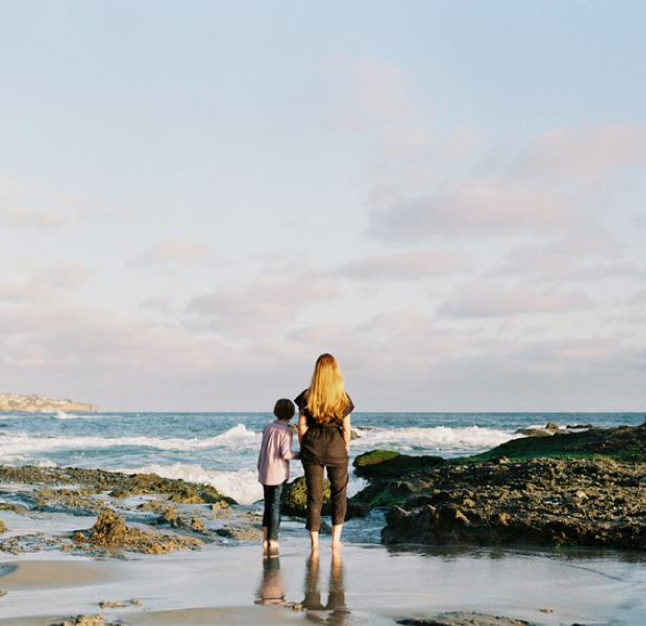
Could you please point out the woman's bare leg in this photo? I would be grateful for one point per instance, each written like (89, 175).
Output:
(265, 539)
(336, 536)
(314, 540)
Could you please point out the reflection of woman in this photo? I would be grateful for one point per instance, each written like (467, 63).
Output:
(272, 590)
(324, 435)
(336, 591)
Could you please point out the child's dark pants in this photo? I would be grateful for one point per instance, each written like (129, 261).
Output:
(273, 502)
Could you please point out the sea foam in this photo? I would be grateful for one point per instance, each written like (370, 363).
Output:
(241, 485)
(440, 438)
(237, 438)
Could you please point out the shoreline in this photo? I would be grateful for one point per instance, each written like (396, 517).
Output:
(228, 584)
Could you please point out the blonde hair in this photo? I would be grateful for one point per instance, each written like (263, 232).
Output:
(326, 397)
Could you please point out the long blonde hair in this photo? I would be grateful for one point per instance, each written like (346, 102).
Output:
(326, 397)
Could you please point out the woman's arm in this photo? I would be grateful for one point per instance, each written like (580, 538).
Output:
(302, 428)
(347, 432)
(286, 444)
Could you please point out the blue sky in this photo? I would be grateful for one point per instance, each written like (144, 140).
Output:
(196, 199)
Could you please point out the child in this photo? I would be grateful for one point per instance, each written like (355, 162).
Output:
(273, 469)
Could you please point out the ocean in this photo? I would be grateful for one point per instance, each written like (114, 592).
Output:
(221, 448)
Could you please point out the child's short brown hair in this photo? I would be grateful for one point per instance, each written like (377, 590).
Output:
(284, 409)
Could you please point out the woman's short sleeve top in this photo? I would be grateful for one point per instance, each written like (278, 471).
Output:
(301, 403)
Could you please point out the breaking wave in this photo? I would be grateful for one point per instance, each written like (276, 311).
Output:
(241, 485)
(440, 438)
(237, 438)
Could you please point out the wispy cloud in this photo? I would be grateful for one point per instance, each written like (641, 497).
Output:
(585, 155)
(43, 285)
(482, 301)
(173, 252)
(266, 302)
(404, 266)
(476, 207)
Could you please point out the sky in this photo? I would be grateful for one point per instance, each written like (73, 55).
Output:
(197, 199)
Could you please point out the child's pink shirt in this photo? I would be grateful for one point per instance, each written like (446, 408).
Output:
(275, 454)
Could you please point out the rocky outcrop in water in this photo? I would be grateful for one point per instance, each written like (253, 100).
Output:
(541, 502)
(186, 513)
(581, 488)
(16, 403)
(111, 531)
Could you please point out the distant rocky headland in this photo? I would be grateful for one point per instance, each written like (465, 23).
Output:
(12, 402)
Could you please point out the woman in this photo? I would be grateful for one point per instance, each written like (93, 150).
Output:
(324, 435)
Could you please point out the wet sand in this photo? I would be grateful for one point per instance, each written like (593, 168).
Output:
(368, 585)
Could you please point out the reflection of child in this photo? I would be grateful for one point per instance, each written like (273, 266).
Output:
(273, 468)
(272, 589)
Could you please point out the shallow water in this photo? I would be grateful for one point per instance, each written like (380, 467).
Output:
(369, 585)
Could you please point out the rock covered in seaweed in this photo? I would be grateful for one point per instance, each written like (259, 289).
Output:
(389, 464)
(540, 502)
(111, 531)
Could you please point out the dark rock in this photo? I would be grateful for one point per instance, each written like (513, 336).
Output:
(110, 530)
(459, 618)
(624, 443)
(388, 464)
(535, 432)
(121, 485)
(295, 498)
(543, 502)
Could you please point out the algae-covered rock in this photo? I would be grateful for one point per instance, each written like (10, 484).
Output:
(221, 510)
(110, 530)
(87, 620)
(295, 499)
(624, 443)
(544, 502)
(240, 533)
(459, 618)
(3, 527)
(389, 464)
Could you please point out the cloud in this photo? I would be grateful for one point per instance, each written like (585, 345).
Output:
(475, 207)
(13, 215)
(45, 284)
(638, 298)
(267, 302)
(483, 301)
(88, 353)
(585, 156)
(161, 304)
(374, 97)
(174, 252)
(404, 266)
(25, 208)
(584, 254)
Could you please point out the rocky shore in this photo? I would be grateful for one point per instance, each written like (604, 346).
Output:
(16, 403)
(132, 513)
(574, 489)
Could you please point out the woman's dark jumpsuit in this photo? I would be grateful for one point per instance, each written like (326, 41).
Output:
(323, 446)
